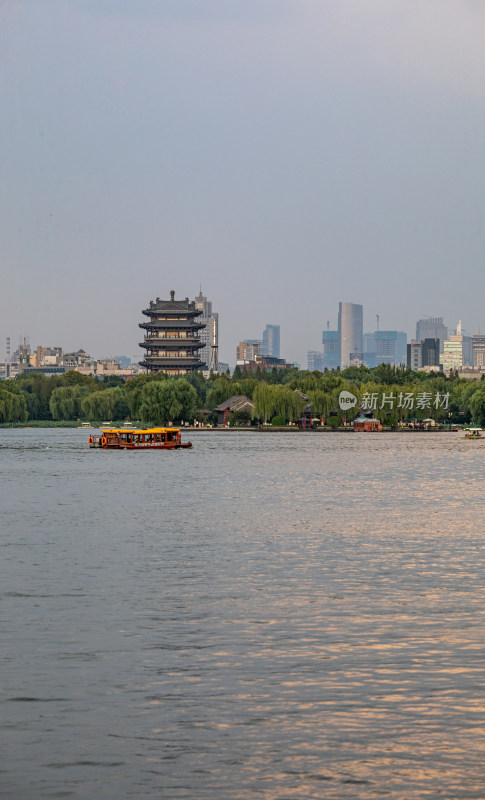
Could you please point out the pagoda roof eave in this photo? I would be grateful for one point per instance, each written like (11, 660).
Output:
(182, 324)
(172, 361)
(171, 341)
(169, 309)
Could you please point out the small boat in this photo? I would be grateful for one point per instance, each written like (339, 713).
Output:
(366, 424)
(84, 425)
(473, 433)
(139, 439)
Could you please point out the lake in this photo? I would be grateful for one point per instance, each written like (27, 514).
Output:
(267, 615)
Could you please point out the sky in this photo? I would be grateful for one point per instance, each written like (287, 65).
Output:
(284, 156)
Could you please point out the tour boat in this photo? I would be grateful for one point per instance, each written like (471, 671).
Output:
(367, 424)
(139, 439)
(473, 433)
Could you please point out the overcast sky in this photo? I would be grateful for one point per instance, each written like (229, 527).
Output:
(283, 155)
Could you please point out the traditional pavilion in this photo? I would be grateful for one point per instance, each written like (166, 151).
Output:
(172, 340)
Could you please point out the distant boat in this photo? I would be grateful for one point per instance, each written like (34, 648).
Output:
(473, 433)
(85, 425)
(139, 439)
(367, 424)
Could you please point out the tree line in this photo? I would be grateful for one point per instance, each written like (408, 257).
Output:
(392, 394)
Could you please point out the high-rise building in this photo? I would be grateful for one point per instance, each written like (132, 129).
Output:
(415, 354)
(385, 347)
(172, 340)
(431, 353)
(271, 341)
(209, 336)
(423, 353)
(248, 350)
(350, 333)
(330, 357)
(316, 361)
(331, 349)
(432, 328)
(457, 351)
(369, 355)
(478, 350)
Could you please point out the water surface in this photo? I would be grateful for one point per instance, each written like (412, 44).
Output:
(266, 615)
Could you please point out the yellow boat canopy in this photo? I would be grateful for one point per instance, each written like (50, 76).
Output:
(139, 430)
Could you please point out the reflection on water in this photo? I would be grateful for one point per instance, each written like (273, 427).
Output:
(284, 616)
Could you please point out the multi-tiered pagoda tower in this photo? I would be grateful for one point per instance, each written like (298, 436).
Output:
(172, 340)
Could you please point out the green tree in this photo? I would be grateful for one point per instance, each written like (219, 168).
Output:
(105, 404)
(222, 390)
(168, 401)
(12, 406)
(65, 401)
(121, 409)
(477, 406)
(74, 378)
(274, 400)
(37, 390)
(187, 397)
(263, 399)
(197, 380)
(134, 387)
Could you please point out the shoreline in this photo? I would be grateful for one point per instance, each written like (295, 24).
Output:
(244, 429)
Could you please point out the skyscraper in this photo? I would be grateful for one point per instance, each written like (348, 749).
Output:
(478, 350)
(385, 347)
(271, 341)
(350, 333)
(432, 328)
(209, 336)
(331, 349)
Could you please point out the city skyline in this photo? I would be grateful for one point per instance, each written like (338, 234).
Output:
(287, 155)
(314, 356)
(203, 302)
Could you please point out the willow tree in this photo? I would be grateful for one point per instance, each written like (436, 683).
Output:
(272, 400)
(106, 404)
(263, 401)
(477, 405)
(65, 401)
(12, 406)
(222, 390)
(168, 401)
(290, 404)
(321, 403)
